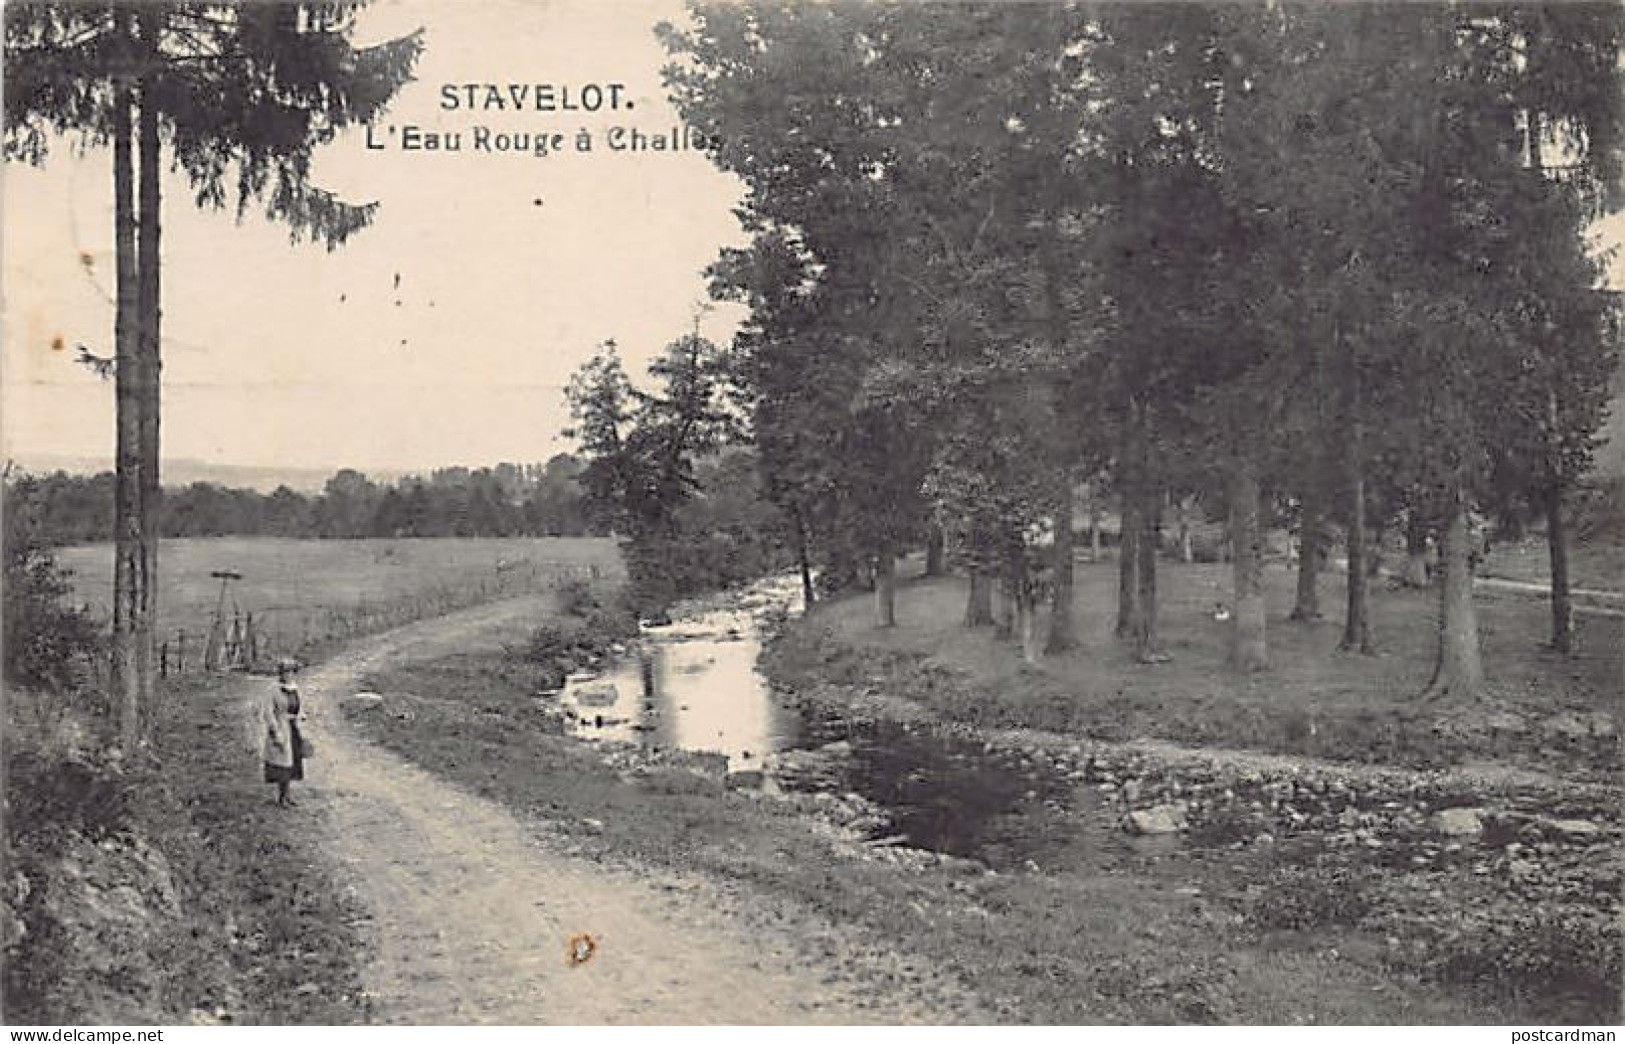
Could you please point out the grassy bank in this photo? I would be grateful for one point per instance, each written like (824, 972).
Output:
(168, 889)
(1104, 931)
(1556, 714)
(1597, 564)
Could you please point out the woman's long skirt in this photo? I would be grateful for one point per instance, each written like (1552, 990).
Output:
(288, 773)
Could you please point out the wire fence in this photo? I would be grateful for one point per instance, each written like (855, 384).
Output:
(256, 639)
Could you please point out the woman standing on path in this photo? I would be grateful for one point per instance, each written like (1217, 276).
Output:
(281, 744)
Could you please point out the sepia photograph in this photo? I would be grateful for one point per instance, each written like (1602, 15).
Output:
(813, 512)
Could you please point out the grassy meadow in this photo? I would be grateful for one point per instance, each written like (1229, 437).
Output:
(307, 591)
(1313, 699)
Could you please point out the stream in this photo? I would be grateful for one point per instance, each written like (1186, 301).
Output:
(694, 685)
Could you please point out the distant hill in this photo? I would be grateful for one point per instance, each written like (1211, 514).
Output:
(184, 472)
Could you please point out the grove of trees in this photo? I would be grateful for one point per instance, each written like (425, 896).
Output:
(507, 500)
(1322, 260)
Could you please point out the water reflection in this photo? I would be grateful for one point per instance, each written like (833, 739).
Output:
(693, 685)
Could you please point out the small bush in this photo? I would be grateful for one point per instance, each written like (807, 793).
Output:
(577, 597)
(560, 646)
(47, 644)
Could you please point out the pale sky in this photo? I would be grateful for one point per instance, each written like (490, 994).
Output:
(500, 299)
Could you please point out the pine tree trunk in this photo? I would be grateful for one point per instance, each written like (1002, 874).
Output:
(149, 307)
(1356, 618)
(129, 600)
(1248, 650)
(1557, 547)
(1062, 634)
(934, 548)
(1459, 669)
(1128, 566)
(885, 587)
(1307, 606)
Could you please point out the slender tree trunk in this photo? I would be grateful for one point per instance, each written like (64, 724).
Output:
(885, 587)
(803, 562)
(979, 602)
(979, 599)
(1416, 551)
(1356, 618)
(1144, 624)
(1006, 613)
(1248, 650)
(1310, 554)
(149, 305)
(934, 548)
(1094, 522)
(129, 601)
(1021, 624)
(1128, 565)
(1557, 547)
(1032, 650)
(1062, 634)
(1557, 538)
(1003, 609)
(1357, 615)
(1459, 669)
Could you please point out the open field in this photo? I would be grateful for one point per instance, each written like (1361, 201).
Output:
(307, 591)
(1539, 709)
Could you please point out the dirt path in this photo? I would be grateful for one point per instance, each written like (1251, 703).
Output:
(472, 912)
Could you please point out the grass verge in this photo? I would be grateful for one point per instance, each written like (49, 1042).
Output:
(1560, 715)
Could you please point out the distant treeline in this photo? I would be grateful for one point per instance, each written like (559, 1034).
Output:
(507, 500)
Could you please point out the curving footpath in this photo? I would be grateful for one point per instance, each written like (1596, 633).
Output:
(472, 912)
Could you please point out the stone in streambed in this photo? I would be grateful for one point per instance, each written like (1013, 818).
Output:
(1162, 819)
(1457, 822)
(1574, 829)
